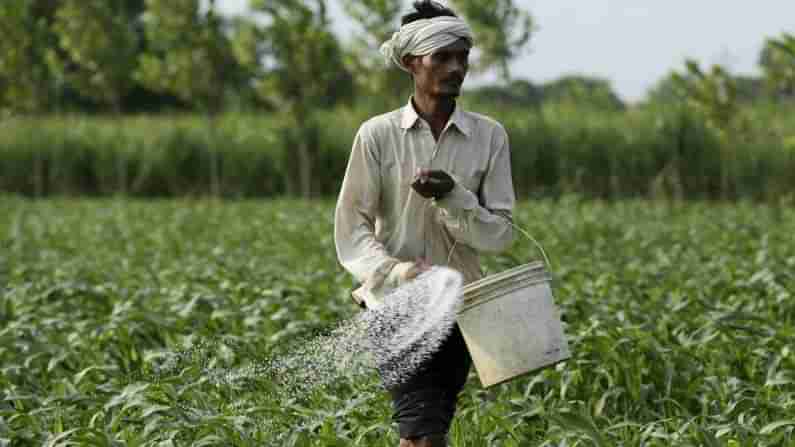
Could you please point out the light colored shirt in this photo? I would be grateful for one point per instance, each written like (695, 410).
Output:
(380, 220)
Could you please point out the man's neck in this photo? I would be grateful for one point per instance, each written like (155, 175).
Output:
(436, 110)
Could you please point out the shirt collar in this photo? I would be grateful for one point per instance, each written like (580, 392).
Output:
(457, 119)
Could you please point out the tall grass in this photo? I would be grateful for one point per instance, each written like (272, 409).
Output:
(646, 152)
(557, 149)
(140, 156)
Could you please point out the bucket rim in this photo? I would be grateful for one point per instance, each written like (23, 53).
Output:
(535, 266)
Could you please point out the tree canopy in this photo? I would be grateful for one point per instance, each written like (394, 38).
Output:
(128, 55)
(778, 64)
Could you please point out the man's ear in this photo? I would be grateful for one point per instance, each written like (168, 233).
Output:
(408, 61)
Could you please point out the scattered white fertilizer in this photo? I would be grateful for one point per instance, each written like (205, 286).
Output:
(394, 338)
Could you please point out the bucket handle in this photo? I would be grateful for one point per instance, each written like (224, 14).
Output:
(523, 232)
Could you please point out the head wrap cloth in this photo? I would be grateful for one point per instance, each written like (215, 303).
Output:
(423, 37)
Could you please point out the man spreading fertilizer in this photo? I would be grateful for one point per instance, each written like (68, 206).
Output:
(427, 184)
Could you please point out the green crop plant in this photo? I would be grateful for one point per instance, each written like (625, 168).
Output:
(679, 319)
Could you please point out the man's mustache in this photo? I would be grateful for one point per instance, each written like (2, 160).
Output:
(456, 79)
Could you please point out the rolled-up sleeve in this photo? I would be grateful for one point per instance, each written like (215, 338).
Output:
(483, 220)
(357, 206)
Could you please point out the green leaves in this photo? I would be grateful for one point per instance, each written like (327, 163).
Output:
(777, 61)
(126, 313)
(25, 82)
(378, 18)
(575, 422)
(191, 53)
(386, 86)
(713, 93)
(303, 72)
(773, 426)
(303, 58)
(502, 30)
(98, 46)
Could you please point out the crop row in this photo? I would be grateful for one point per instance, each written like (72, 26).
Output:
(679, 316)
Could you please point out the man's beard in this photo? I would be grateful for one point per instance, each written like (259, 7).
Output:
(451, 95)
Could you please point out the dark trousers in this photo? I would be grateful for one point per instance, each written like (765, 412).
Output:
(424, 403)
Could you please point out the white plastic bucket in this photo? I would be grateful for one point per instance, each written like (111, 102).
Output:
(511, 325)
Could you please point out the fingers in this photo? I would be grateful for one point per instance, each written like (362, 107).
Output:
(432, 183)
(422, 174)
(411, 273)
(420, 265)
(439, 175)
(425, 175)
(423, 264)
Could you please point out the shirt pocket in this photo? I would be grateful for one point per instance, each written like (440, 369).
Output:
(469, 166)
(471, 178)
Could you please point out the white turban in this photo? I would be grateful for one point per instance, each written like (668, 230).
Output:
(424, 36)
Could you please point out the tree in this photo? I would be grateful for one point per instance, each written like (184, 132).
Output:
(667, 90)
(297, 66)
(26, 83)
(98, 48)
(518, 92)
(191, 53)
(713, 94)
(583, 90)
(750, 89)
(25, 79)
(191, 56)
(378, 20)
(778, 65)
(97, 53)
(502, 31)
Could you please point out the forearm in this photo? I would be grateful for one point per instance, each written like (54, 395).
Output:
(358, 251)
(472, 224)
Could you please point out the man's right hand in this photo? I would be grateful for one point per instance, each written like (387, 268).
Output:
(373, 290)
(404, 272)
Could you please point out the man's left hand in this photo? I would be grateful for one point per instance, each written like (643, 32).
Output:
(432, 183)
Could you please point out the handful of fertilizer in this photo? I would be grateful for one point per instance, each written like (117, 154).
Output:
(412, 322)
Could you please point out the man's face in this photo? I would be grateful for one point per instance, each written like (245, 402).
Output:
(441, 73)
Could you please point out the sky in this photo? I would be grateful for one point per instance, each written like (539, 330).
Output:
(631, 43)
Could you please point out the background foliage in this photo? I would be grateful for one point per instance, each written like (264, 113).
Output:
(679, 313)
(557, 148)
(267, 104)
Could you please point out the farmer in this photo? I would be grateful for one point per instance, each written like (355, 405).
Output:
(422, 180)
